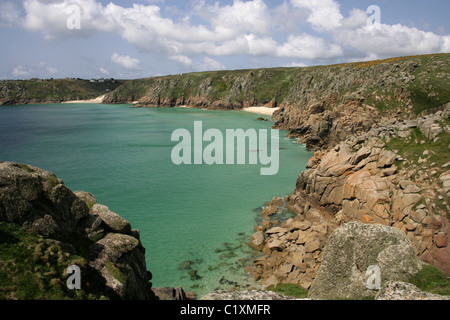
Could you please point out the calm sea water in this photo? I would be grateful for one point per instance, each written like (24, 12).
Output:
(195, 220)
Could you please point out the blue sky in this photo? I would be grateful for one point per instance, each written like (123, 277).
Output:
(144, 38)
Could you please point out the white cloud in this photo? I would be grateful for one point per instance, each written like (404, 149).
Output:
(248, 44)
(388, 40)
(126, 61)
(22, 72)
(182, 60)
(308, 47)
(236, 28)
(50, 17)
(295, 64)
(103, 70)
(9, 15)
(40, 68)
(209, 64)
(325, 15)
(241, 17)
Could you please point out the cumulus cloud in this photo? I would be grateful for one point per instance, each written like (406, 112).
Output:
(240, 17)
(209, 64)
(387, 40)
(182, 60)
(126, 61)
(22, 72)
(325, 15)
(9, 14)
(312, 30)
(308, 47)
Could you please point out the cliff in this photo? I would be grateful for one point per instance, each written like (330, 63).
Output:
(381, 133)
(320, 105)
(396, 175)
(45, 228)
(13, 92)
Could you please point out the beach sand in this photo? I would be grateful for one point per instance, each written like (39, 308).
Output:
(96, 100)
(261, 110)
(258, 110)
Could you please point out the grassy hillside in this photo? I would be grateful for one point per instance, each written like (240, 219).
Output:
(53, 90)
(417, 83)
(33, 268)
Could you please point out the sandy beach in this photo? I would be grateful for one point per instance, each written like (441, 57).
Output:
(258, 110)
(261, 110)
(96, 100)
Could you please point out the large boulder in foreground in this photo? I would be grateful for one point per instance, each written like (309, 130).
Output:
(356, 253)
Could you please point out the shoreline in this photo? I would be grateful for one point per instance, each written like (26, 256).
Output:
(258, 110)
(261, 110)
(96, 100)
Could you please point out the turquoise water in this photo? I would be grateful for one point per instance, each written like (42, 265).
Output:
(195, 220)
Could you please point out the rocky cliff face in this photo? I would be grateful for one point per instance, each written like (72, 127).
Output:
(396, 174)
(319, 105)
(80, 231)
(14, 92)
(380, 129)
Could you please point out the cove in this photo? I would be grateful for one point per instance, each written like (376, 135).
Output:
(194, 221)
(225, 148)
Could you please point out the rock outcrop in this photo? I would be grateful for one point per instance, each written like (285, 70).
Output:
(247, 295)
(34, 91)
(37, 200)
(350, 253)
(363, 178)
(321, 106)
(397, 290)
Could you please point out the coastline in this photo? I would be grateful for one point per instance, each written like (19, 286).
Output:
(261, 110)
(96, 100)
(258, 110)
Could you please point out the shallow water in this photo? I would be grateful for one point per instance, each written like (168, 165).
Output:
(195, 220)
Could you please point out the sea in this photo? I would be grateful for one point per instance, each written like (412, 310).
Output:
(195, 220)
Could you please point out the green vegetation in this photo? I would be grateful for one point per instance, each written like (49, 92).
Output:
(431, 86)
(261, 85)
(403, 86)
(53, 90)
(116, 273)
(423, 156)
(415, 146)
(32, 268)
(289, 290)
(431, 279)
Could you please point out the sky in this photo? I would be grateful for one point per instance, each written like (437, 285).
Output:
(144, 38)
